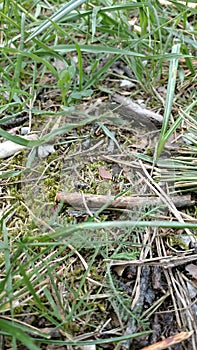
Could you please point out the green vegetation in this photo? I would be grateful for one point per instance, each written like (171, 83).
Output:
(61, 66)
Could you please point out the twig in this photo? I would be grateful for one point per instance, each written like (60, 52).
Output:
(166, 343)
(165, 261)
(131, 110)
(97, 201)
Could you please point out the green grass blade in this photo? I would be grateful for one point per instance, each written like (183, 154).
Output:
(98, 342)
(34, 143)
(100, 73)
(109, 134)
(107, 9)
(8, 264)
(15, 330)
(31, 55)
(25, 11)
(30, 288)
(64, 49)
(169, 98)
(10, 20)
(64, 10)
(18, 66)
(80, 66)
(71, 229)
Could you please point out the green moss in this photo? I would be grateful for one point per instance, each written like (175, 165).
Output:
(71, 327)
(95, 273)
(21, 211)
(2, 258)
(51, 187)
(52, 157)
(176, 241)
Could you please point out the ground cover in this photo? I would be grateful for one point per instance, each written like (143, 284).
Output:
(98, 175)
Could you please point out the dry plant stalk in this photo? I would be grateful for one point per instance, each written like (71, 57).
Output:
(80, 200)
(165, 261)
(166, 343)
(191, 4)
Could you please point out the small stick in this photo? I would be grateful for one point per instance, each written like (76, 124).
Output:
(97, 201)
(131, 110)
(166, 343)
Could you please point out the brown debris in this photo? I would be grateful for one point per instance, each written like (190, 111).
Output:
(134, 111)
(166, 343)
(104, 173)
(97, 201)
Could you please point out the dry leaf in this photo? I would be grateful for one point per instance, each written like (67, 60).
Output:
(105, 174)
(119, 269)
(141, 143)
(59, 65)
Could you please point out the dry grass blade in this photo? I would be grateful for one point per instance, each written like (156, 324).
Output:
(179, 293)
(191, 4)
(64, 10)
(165, 261)
(167, 200)
(166, 343)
